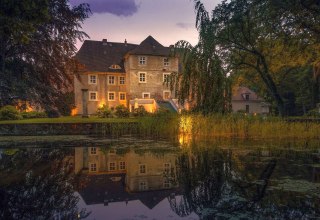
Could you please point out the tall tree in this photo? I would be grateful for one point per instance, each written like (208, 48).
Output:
(202, 81)
(37, 42)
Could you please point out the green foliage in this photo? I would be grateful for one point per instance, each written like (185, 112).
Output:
(140, 111)
(33, 114)
(161, 112)
(66, 103)
(313, 113)
(37, 44)
(104, 112)
(122, 111)
(9, 112)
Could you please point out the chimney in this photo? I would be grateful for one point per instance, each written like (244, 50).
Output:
(104, 42)
(125, 42)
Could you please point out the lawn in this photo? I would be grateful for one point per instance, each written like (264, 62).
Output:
(69, 119)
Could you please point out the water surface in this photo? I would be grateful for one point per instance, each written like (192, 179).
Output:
(145, 179)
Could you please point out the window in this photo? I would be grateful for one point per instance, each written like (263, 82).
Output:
(166, 77)
(112, 166)
(247, 108)
(166, 94)
(93, 150)
(167, 167)
(143, 185)
(111, 80)
(111, 96)
(142, 60)
(93, 167)
(166, 61)
(247, 96)
(92, 79)
(115, 67)
(122, 96)
(142, 168)
(121, 80)
(122, 165)
(166, 183)
(113, 151)
(93, 96)
(146, 95)
(142, 78)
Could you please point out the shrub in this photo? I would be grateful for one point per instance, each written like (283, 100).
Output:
(33, 114)
(162, 112)
(52, 113)
(104, 112)
(140, 111)
(122, 111)
(9, 112)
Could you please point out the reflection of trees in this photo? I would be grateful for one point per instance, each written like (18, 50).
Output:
(37, 185)
(216, 186)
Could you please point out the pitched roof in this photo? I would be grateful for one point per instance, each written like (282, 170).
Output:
(100, 55)
(151, 47)
(240, 92)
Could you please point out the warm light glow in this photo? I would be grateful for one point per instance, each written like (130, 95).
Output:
(102, 103)
(185, 124)
(74, 111)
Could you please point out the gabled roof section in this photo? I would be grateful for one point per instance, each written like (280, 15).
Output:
(99, 56)
(240, 92)
(151, 47)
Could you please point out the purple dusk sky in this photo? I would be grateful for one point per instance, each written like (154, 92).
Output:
(166, 20)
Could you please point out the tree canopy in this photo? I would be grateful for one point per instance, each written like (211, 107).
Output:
(262, 44)
(37, 43)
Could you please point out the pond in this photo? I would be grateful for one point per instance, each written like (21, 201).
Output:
(94, 178)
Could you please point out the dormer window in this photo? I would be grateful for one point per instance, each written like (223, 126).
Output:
(142, 60)
(247, 96)
(115, 67)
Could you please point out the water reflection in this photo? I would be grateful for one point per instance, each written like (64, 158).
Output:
(202, 180)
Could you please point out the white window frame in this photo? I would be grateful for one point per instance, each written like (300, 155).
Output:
(166, 63)
(164, 91)
(145, 168)
(91, 92)
(142, 60)
(122, 165)
(96, 79)
(125, 96)
(143, 185)
(164, 77)
(124, 80)
(95, 167)
(114, 80)
(145, 77)
(115, 166)
(166, 183)
(146, 93)
(93, 150)
(114, 96)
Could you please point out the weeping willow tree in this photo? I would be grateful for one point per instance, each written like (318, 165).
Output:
(202, 82)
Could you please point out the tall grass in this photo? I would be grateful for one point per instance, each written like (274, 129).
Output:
(242, 126)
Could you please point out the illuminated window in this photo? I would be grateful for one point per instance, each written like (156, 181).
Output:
(93, 167)
(111, 96)
(111, 80)
(122, 165)
(115, 67)
(166, 94)
(146, 95)
(93, 150)
(166, 62)
(121, 80)
(142, 78)
(142, 168)
(92, 79)
(112, 166)
(93, 96)
(142, 60)
(122, 96)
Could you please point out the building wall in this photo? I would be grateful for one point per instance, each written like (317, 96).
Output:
(102, 88)
(154, 70)
(254, 107)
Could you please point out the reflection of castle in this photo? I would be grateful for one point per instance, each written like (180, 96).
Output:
(115, 177)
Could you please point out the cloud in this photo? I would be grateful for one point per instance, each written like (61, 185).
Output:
(184, 25)
(116, 7)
